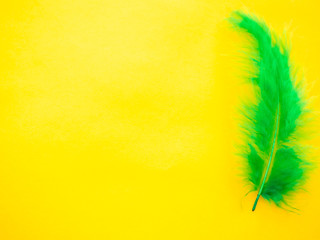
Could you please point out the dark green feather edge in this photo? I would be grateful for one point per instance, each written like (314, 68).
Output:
(273, 121)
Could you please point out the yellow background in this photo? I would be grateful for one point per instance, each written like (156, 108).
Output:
(119, 120)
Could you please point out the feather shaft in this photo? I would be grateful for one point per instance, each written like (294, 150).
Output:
(270, 160)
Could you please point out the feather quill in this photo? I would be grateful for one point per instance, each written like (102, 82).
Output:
(275, 165)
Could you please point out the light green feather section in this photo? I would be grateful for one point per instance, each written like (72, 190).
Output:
(275, 165)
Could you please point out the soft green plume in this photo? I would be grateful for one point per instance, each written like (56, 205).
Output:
(275, 164)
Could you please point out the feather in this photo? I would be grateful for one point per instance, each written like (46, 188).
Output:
(276, 166)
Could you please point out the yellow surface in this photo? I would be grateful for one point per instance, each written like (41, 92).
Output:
(119, 120)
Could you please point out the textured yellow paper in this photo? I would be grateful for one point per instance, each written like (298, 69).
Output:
(119, 120)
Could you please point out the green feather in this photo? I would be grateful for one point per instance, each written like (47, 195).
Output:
(275, 164)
